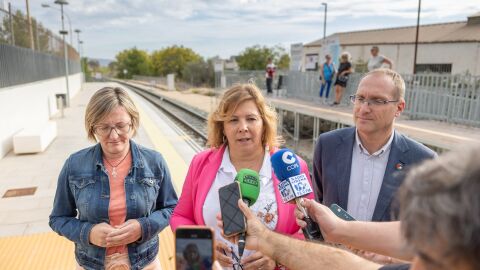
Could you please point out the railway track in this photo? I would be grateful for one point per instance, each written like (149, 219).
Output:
(192, 121)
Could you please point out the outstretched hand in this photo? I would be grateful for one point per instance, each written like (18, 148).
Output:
(255, 229)
(328, 222)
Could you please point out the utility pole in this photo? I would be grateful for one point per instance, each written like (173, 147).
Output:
(32, 45)
(416, 39)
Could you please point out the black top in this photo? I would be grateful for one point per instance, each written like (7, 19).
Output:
(396, 267)
(344, 66)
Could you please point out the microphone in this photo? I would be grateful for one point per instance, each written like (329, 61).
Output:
(293, 186)
(249, 190)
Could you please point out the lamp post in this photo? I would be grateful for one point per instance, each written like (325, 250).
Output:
(66, 15)
(324, 23)
(78, 39)
(416, 39)
(63, 33)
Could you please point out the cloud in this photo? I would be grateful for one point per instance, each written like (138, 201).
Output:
(225, 27)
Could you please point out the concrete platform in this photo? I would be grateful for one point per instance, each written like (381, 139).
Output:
(435, 133)
(26, 240)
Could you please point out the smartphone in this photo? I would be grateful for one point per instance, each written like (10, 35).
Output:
(339, 212)
(233, 219)
(194, 248)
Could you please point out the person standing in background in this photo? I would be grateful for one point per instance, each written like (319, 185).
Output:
(270, 73)
(327, 72)
(344, 71)
(377, 60)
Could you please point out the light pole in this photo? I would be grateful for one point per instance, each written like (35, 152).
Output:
(416, 39)
(63, 33)
(68, 19)
(324, 23)
(78, 39)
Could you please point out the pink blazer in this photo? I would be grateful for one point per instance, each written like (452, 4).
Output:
(201, 174)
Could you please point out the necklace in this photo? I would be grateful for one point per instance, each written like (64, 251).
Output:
(114, 168)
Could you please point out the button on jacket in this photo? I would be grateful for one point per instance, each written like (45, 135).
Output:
(83, 196)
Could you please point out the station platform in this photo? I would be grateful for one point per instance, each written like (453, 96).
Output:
(434, 133)
(26, 240)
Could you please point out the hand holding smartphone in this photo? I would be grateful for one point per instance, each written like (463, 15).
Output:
(194, 248)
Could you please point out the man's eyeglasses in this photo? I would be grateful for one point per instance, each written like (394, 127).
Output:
(357, 100)
(105, 130)
(236, 261)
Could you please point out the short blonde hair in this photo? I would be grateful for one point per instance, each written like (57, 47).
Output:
(396, 78)
(103, 102)
(229, 103)
(345, 57)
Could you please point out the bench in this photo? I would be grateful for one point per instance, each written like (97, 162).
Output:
(34, 139)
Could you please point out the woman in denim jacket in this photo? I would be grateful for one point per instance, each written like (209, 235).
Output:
(113, 198)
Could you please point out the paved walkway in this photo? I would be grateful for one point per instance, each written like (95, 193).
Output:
(26, 240)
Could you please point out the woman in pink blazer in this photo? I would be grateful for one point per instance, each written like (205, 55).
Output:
(242, 134)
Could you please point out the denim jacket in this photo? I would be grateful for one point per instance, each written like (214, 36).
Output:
(83, 195)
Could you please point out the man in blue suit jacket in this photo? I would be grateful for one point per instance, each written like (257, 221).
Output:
(360, 168)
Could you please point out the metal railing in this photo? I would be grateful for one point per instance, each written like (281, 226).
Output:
(14, 30)
(20, 65)
(150, 79)
(449, 98)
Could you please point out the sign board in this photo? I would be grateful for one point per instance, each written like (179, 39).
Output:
(332, 47)
(311, 61)
(296, 56)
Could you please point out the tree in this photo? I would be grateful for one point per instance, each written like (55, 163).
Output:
(256, 57)
(134, 61)
(199, 73)
(172, 60)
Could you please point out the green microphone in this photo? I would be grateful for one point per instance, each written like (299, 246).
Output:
(249, 189)
(249, 185)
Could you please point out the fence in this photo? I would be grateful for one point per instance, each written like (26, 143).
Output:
(20, 65)
(450, 98)
(14, 30)
(150, 79)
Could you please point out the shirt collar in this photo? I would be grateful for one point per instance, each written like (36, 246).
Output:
(227, 167)
(382, 150)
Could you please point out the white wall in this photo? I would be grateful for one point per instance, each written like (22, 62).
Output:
(463, 56)
(30, 104)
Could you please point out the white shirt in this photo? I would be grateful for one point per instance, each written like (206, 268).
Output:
(375, 62)
(366, 177)
(265, 207)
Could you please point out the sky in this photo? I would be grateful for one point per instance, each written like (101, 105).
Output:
(227, 27)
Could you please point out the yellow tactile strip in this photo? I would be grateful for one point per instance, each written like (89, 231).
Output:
(49, 251)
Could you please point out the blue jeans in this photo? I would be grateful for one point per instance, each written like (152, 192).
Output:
(322, 87)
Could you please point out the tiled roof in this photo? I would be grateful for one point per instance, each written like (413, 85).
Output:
(432, 33)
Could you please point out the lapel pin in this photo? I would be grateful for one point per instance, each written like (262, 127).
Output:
(399, 166)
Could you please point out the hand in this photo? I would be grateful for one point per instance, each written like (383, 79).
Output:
(220, 250)
(374, 257)
(124, 234)
(98, 234)
(255, 229)
(258, 261)
(328, 222)
(216, 266)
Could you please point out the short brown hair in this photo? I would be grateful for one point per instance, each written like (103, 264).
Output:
(229, 103)
(396, 78)
(103, 102)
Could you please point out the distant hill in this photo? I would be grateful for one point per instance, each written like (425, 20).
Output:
(102, 62)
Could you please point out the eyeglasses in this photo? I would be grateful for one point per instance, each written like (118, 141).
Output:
(374, 102)
(105, 130)
(236, 261)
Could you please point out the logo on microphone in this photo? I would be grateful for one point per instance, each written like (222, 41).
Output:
(288, 157)
(251, 180)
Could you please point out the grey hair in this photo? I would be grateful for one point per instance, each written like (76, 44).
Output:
(103, 102)
(440, 205)
(396, 78)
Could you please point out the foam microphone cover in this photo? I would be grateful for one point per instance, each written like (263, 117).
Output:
(285, 164)
(249, 181)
